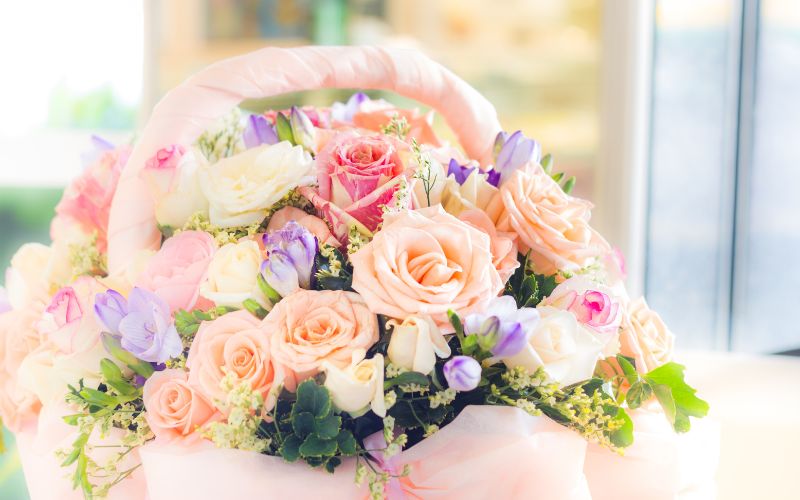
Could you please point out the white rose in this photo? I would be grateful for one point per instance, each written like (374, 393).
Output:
(241, 188)
(358, 386)
(233, 275)
(415, 343)
(28, 279)
(47, 373)
(560, 345)
(186, 197)
(475, 193)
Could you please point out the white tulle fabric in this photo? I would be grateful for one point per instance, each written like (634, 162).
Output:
(192, 107)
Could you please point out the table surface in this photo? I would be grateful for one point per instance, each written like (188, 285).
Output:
(756, 401)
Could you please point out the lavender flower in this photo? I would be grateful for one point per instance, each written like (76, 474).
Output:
(462, 172)
(506, 330)
(302, 128)
(290, 261)
(513, 151)
(462, 373)
(110, 308)
(258, 131)
(344, 112)
(147, 330)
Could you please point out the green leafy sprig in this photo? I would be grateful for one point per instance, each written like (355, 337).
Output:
(527, 287)
(568, 185)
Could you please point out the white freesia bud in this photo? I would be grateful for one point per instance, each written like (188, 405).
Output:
(415, 343)
(358, 386)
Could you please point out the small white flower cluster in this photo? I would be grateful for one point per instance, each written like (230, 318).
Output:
(442, 398)
(240, 430)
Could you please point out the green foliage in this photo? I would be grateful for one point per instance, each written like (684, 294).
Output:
(113, 347)
(568, 185)
(527, 287)
(284, 128)
(255, 308)
(333, 270)
(312, 431)
(188, 322)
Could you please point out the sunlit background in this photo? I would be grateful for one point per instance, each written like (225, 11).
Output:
(721, 230)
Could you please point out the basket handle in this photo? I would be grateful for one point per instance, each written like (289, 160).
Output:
(195, 105)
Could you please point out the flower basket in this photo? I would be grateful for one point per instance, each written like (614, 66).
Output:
(328, 298)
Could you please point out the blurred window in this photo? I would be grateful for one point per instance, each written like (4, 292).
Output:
(723, 220)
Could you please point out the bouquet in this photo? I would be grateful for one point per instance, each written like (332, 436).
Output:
(330, 286)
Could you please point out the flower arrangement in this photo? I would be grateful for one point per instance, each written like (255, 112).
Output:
(332, 284)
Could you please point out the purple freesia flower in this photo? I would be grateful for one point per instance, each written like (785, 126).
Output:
(344, 112)
(506, 330)
(147, 331)
(109, 309)
(290, 258)
(258, 131)
(513, 151)
(463, 373)
(462, 172)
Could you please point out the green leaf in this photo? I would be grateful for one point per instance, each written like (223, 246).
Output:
(347, 443)
(332, 463)
(407, 378)
(628, 369)
(623, 437)
(72, 419)
(639, 392)
(456, 322)
(547, 163)
(678, 398)
(284, 128)
(303, 424)
(569, 185)
(328, 427)
(290, 449)
(96, 397)
(557, 177)
(315, 446)
(546, 284)
(313, 398)
(267, 290)
(113, 347)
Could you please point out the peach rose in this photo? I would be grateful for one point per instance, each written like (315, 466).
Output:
(310, 327)
(174, 408)
(235, 342)
(550, 223)
(426, 262)
(503, 245)
(377, 114)
(314, 224)
(645, 337)
(18, 338)
(177, 270)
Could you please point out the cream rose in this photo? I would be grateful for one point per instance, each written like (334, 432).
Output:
(358, 386)
(233, 275)
(474, 193)
(415, 343)
(241, 188)
(175, 409)
(233, 343)
(184, 196)
(645, 337)
(561, 346)
(18, 338)
(310, 327)
(550, 223)
(35, 271)
(426, 262)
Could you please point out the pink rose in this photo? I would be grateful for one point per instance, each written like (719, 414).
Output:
(310, 327)
(503, 245)
(593, 304)
(645, 337)
(166, 158)
(314, 224)
(426, 262)
(174, 408)
(177, 270)
(161, 169)
(87, 200)
(18, 338)
(550, 223)
(357, 176)
(237, 343)
(69, 322)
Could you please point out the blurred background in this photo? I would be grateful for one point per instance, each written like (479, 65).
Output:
(679, 118)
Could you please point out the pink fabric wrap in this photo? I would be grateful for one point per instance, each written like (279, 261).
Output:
(660, 465)
(487, 452)
(196, 104)
(47, 480)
